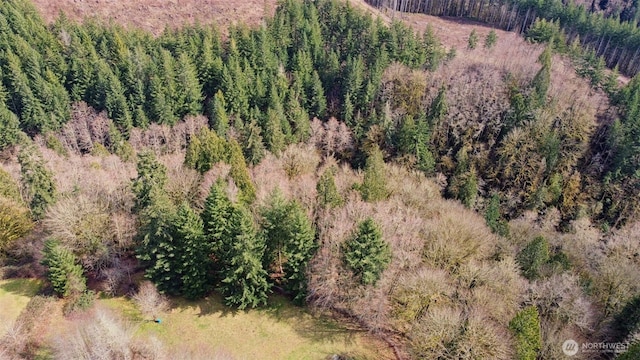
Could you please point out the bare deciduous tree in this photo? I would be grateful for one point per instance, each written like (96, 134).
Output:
(149, 300)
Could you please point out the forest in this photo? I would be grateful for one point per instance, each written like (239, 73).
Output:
(609, 30)
(348, 162)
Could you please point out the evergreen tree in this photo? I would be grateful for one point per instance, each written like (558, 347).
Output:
(216, 218)
(290, 243)
(160, 108)
(374, 187)
(253, 149)
(240, 173)
(9, 125)
(299, 119)
(366, 253)
(159, 248)
(494, 219)
(542, 80)
(490, 40)
(244, 281)
(425, 160)
(526, 328)
(150, 182)
(37, 180)
(472, 43)
(533, 257)
(407, 135)
(189, 89)
(205, 150)
(317, 100)
(274, 137)
(63, 271)
(328, 195)
(193, 259)
(218, 119)
(439, 108)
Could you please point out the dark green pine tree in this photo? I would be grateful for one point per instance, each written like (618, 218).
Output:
(290, 244)
(245, 281)
(116, 105)
(328, 195)
(274, 232)
(194, 253)
(298, 118)
(273, 134)
(22, 101)
(150, 182)
(366, 253)
(240, 173)
(159, 245)
(253, 149)
(542, 80)
(374, 186)
(63, 271)
(189, 89)
(299, 248)
(439, 108)
(425, 160)
(9, 123)
(407, 135)
(218, 119)
(37, 180)
(216, 218)
(317, 99)
(494, 219)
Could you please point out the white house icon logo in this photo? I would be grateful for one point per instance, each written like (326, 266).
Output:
(570, 347)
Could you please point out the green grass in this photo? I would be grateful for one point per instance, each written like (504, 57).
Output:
(278, 331)
(14, 296)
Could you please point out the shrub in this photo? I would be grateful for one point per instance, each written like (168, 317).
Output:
(99, 336)
(80, 302)
(526, 328)
(366, 253)
(15, 222)
(9, 187)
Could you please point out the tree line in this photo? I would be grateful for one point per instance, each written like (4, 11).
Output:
(615, 39)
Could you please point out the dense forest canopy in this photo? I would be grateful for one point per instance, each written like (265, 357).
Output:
(312, 59)
(308, 156)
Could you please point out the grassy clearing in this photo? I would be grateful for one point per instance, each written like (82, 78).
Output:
(14, 296)
(278, 331)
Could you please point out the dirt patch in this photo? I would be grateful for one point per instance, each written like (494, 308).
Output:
(156, 15)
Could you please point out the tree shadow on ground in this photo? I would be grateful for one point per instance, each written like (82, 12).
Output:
(21, 287)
